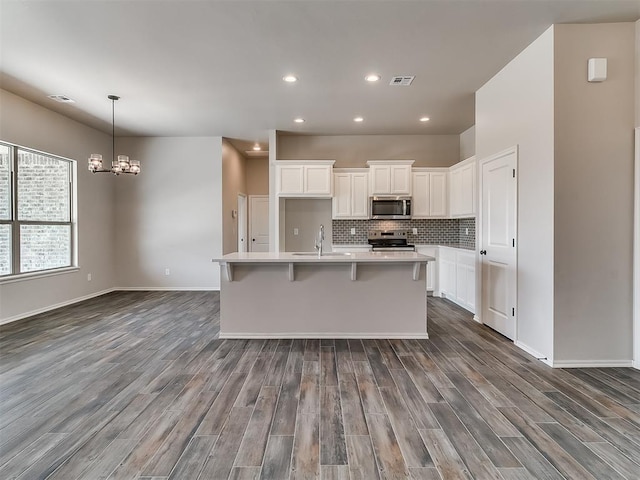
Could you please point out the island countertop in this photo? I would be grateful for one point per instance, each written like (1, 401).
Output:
(329, 257)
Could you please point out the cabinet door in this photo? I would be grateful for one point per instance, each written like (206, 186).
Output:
(359, 195)
(420, 188)
(467, 190)
(380, 177)
(437, 194)
(461, 285)
(400, 179)
(471, 289)
(342, 195)
(317, 180)
(290, 179)
(431, 276)
(448, 279)
(455, 192)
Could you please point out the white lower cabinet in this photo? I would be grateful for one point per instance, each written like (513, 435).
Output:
(432, 267)
(458, 276)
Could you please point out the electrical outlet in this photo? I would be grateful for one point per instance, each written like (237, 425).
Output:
(88, 277)
(466, 231)
(295, 231)
(167, 272)
(353, 231)
(415, 231)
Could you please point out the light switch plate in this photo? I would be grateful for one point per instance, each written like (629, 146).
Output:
(415, 231)
(353, 231)
(295, 231)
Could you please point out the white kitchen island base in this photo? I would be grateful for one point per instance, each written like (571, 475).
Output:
(362, 296)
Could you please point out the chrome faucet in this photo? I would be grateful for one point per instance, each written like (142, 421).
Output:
(319, 240)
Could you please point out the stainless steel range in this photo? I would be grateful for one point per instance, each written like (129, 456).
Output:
(389, 241)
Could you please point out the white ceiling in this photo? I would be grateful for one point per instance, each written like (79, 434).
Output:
(190, 68)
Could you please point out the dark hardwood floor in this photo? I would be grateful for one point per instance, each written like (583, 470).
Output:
(137, 385)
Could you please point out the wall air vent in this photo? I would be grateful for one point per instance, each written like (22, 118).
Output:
(402, 80)
(61, 98)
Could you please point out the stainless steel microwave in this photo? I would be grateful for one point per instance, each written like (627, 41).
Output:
(389, 208)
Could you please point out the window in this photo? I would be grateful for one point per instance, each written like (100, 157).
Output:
(36, 211)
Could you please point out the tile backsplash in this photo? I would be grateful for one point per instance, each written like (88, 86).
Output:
(430, 231)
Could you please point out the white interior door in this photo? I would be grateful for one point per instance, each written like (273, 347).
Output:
(259, 223)
(498, 242)
(242, 223)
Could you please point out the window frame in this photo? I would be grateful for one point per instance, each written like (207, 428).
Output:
(15, 223)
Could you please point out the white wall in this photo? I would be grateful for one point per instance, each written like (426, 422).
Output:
(468, 143)
(593, 206)
(515, 107)
(30, 125)
(170, 216)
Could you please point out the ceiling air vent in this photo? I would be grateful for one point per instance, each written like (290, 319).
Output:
(402, 80)
(61, 99)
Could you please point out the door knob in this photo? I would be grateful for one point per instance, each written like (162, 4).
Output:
(483, 252)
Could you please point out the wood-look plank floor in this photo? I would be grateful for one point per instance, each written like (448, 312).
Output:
(136, 385)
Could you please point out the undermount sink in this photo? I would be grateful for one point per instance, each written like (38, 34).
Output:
(328, 254)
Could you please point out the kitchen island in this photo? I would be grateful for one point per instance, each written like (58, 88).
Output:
(302, 295)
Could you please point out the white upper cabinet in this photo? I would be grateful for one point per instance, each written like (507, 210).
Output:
(305, 178)
(351, 195)
(429, 187)
(390, 177)
(438, 194)
(463, 190)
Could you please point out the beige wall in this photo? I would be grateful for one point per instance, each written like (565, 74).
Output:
(515, 107)
(257, 176)
(355, 150)
(234, 174)
(170, 216)
(468, 143)
(30, 125)
(638, 73)
(593, 193)
(307, 215)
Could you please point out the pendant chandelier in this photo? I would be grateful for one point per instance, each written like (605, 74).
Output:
(119, 165)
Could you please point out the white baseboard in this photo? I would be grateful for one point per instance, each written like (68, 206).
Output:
(168, 289)
(232, 335)
(636, 365)
(476, 318)
(591, 363)
(533, 352)
(38, 311)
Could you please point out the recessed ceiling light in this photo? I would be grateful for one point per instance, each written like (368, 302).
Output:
(61, 98)
(424, 119)
(290, 78)
(372, 77)
(256, 147)
(298, 120)
(358, 119)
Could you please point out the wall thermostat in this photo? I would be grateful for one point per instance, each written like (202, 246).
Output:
(597, 70)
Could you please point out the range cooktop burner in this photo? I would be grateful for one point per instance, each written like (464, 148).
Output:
(389, 240)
